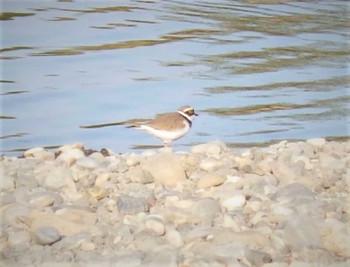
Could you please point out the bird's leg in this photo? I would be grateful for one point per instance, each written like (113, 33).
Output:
(167, 144)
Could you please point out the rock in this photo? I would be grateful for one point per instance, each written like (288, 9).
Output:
(39, 153)
(59, 177)
(275, 264)
(140, 176)
(14, 214)
(148, 240)
(65, 227)
(209, 180)
(235, 202)
(301, 232)
(204, 211)
(77, 215)
(18, 238)
(317, 142)
(293, 192)
(247, 238)
(166, 168)
(7, 182)
(257, 258)
(155, 223)
(210, 149)
(174, 238)
(210, 164)
(133, 160)
(336, 237)
(70, 156)
(74, 241)
(87, 163)
(44, 199)
(164, 258)
(126, 259)
(46, 235)
(132, 205)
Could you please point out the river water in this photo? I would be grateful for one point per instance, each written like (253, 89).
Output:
(256, 71)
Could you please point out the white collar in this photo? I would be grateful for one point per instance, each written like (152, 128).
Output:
(185, 115)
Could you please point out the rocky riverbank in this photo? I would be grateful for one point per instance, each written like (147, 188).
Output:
(284, 205)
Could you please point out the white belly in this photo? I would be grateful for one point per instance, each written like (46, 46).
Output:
(166, 136)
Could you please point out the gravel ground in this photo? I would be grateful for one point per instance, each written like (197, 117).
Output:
(283, 205)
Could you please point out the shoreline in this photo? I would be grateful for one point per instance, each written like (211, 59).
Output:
(286, 204)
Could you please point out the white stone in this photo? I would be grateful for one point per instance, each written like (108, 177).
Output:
(156, 223)
(69, 147)
(18, 238)
(209, 180)
(39, 153)
(87, 163)
(211, 149)
(58, 177)
(166, 168)
(336, 237)
(70, 156)
(210, 164)
(7, 182)
(235, 202)
(317, 142)
(174, 238)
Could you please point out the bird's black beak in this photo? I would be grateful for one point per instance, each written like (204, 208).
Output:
(195, 114)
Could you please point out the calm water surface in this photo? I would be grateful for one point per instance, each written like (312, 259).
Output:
(257, 71)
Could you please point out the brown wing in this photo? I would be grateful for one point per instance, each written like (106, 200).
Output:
(166, 121)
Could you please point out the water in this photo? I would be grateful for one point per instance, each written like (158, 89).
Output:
(256, 71)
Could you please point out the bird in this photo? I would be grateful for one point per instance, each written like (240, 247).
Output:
(169, 126)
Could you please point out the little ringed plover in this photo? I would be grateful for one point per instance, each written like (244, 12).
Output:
(169, 126)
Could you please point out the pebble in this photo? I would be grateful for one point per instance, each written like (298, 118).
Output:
(282, 205)
(317, 142)
(88, 163)
(210, 164)
(235, 202)
(18, 238)
(209, 180)
(132, 205)
(46, 235)
(155, 223)
(7, 182)
(171, 172)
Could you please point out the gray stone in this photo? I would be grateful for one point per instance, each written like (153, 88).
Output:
(74, 241)
(132, 205)
(257, 258)
(46, 235)
(59, 176)
(164, 258)
(301, 232)
(294, 192)
(205, 210)
(126, 259)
